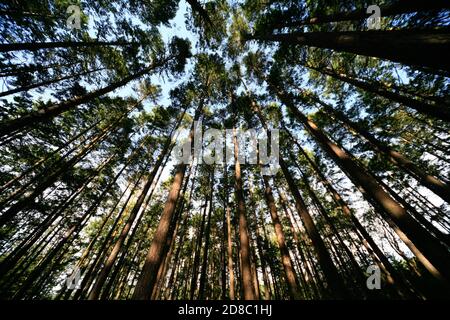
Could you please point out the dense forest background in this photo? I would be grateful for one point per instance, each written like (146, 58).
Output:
(94, 206)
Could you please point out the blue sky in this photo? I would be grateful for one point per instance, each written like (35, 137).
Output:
(177, 28)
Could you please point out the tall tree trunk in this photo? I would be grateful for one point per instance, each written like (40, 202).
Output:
(254, 269)
(102, 251)
(359, 228)
(224, 240)
(16, 69)
(133, 214)
(29, 170)
(259, 244)
(184, 224)
(198, 247)
(173, 231)
(397, 8)
(229, 242)
(147, 279)
(58, 164)
(333, 278)
(49, 180)
(12, 259)
(430, 247)
(289, 270)
(421, 48)
(438, 110)
(201, 290)
(74, 229)
(334, 230)
(246, 270)
(431, 182)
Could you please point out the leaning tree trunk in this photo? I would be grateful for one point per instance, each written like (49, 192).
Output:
(434, 253)
(434, 184)
(133, 214)
(147, 279)
(422, 48)
(49, 180)
(438, 110)
(14, 70)
(45, 114)
(48, 82)
(285, 256)
(8, 47)
(359, 228)
(397, 8)
(126, 229)
(331, 273)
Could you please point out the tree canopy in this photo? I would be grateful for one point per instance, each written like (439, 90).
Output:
(94, 203)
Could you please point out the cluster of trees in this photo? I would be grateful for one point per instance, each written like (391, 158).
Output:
(92, 205)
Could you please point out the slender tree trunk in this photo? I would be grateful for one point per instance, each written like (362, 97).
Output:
(16, 69)
(8, 47)
(289, 270)
(255, 270)
(333, 278)
(133, 214)
(203, 274)
(63, 161)
(89, 249)
(431, 248)
(173, 231)
(147, 279)
(431, 182)
(48, 113)
(224, 241)
(101, 252)
(247, 285)
(197, 253)
(229, 242)
(358, 227)
(26, 201)
(48, 82)
(12, 259)
(438, 110)
(24, 173)
(356, 269)
(74, 229)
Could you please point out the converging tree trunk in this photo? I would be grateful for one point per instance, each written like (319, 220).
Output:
(422, 48)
